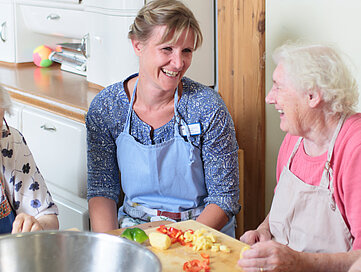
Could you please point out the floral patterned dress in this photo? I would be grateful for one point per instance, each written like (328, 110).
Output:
(23, 189)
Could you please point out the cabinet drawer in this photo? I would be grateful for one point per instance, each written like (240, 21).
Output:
(54, 21)
(59, 148)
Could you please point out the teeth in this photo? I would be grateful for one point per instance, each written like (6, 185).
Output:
(280, 111)
(170, 73)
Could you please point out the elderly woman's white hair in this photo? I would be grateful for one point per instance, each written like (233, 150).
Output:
(316, 66)
(5, 100)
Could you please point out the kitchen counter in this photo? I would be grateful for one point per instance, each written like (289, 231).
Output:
(51, 89)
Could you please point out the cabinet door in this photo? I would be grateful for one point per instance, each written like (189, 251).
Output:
(111, 56)
(203, 64)
(70, 215)
(59, 148)
(73, 210)
(7, 41)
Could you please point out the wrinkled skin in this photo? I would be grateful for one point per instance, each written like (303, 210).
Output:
(271, 256)
(25, 223)
(253, 236)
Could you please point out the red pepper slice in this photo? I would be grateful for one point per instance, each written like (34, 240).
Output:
(204, 255)
(197, 265)
(176, 235)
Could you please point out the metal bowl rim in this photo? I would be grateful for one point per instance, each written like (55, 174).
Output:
(68, 233)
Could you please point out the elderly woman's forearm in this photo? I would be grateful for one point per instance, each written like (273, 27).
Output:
(328, 262)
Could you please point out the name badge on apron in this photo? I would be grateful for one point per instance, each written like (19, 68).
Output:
(194, 129)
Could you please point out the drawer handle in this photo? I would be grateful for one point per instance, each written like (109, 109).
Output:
(45, 127)
(53, 16)
(3, 32)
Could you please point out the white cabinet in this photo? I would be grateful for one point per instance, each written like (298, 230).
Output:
(58, 145)
(18, 39)
(203, 64)
(111, 57)
(14, 119)
(7, 32)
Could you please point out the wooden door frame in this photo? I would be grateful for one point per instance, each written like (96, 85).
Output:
(241, 83)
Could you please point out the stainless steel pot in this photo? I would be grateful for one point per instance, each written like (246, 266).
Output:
(70, 251)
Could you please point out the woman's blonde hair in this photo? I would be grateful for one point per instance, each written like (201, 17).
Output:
(315, 66)
(5, 100)
(171, 13)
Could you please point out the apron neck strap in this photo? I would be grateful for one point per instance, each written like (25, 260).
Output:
(129, 114)
(327, 174)
(130, 109)
(334, 137)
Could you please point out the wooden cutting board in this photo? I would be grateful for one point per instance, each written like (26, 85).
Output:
(174, 257)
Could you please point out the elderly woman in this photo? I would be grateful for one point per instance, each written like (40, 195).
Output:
(26, 204)
(314, 222)
(170, 140)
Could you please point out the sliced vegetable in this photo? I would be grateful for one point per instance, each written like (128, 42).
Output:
(197, 265)
(135, 234)
(176, 235)
(159, 240)
(246, 247)
(128, 233)
(204, 255)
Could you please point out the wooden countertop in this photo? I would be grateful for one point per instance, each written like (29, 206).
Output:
(51, 89)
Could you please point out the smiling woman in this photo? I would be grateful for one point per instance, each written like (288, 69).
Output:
(170, 140)
(313, 224)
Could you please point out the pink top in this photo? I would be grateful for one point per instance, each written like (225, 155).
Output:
(346, 165)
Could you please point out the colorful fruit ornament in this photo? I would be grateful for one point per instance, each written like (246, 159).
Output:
(41, 56)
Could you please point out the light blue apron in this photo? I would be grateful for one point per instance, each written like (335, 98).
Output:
(161, 179)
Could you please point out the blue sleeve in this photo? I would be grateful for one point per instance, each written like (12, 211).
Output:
(103, 173)
(220, 157)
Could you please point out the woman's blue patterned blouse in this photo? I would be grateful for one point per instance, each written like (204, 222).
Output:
(198, 104)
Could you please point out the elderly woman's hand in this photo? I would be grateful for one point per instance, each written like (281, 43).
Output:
(25, 223)
(254, 236)
(270, 256)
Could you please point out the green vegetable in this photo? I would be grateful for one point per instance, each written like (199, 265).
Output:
(135, 234)
(128, 233)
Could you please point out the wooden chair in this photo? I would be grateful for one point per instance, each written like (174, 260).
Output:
(240, 215)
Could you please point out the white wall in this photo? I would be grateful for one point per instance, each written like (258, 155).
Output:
(336, 22)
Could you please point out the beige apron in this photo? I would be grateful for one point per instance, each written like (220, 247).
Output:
(305, 217)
